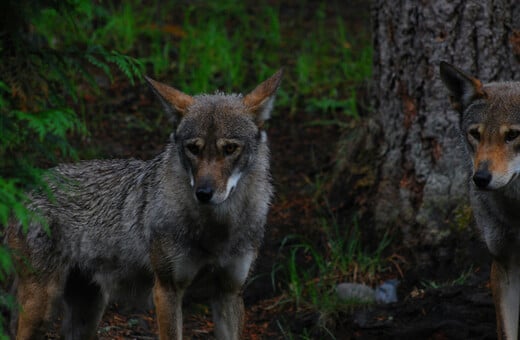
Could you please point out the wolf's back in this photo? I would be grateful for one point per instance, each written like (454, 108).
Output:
(95, 212)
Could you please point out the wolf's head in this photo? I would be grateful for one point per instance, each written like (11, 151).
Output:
(219, 136)
(490, 120)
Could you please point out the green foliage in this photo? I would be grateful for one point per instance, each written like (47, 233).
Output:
(127, 27)
(206, 51)
(462, 218)
(44, 74)
(329, 67)
(203, 45)
(313, 271)
(219, 46)
(7, 302)
(232, 46)
(217, 49)
(40, 78)
(287, 334)
(458, 281)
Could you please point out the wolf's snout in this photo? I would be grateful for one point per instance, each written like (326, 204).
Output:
(204, 193)
(482, 178)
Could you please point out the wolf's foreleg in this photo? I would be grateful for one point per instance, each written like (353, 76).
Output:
(85, 303)
(228, 315)
(36, 296)
(227, 305)
(168, 306)
(505, 283)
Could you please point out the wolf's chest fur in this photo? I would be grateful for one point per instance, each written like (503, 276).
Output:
(113, 216)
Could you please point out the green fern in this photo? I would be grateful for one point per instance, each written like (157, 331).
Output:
(41, 82)
(53, 121)
(129, 66)
(91, 58)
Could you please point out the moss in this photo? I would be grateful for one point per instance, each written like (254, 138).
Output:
(462, 218)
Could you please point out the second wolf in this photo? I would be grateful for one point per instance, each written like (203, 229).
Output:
(193, 215)
(490, 122)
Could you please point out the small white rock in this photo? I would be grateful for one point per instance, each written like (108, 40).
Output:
(355, 291)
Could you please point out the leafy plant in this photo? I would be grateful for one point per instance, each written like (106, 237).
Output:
(330, 68)
(41, 81)
(458, 281)
(312, 272)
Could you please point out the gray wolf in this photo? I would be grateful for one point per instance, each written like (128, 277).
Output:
(490, 123)
(192, 216)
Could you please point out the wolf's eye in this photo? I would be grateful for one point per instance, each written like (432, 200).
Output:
(230, 149)
(474, 133)
(511, 135)
(194, 149)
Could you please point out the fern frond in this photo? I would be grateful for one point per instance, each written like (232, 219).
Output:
(129, 66)
(99, 64)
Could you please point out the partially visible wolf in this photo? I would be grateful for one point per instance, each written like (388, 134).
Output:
(490, 122)
(195, 214)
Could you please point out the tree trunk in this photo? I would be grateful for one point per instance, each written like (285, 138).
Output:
(423, 176)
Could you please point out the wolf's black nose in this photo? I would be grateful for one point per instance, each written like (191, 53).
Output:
(482, 178)
(204, 194)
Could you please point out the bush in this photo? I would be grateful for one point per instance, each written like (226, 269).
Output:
(41, 80)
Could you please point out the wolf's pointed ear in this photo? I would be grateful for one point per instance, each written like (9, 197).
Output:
(463, 88)
(260, 100)
(173, 100)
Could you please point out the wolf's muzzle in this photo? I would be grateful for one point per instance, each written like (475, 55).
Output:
(482, 178)
(204, 194)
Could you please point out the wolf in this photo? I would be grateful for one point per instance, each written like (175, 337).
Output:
(194, 216)
(490, 124)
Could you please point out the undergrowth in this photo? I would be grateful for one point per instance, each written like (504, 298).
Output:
(314, 267)
(459, 280)
(42, 81)
(232, 46)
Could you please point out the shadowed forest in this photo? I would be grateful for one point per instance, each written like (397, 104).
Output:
(72, 88)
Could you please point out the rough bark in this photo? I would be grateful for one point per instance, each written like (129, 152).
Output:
(423, 176)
